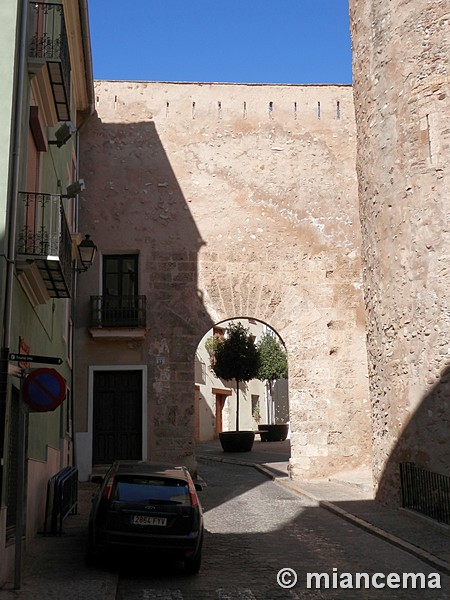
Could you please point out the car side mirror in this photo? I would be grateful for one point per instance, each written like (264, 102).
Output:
(198, 487)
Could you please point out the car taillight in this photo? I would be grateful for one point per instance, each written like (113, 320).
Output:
(192, 493)
(108, 489)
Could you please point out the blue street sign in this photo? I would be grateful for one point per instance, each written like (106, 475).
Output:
(44, 390)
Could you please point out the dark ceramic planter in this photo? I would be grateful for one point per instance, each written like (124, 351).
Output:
(274, 433)
(237, 441)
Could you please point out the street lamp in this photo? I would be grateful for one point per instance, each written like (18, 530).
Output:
(86, 252)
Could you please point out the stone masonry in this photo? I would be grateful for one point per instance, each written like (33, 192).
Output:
(242, 201)
(402, 102)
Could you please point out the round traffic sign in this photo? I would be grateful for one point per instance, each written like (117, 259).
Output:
(44, 390)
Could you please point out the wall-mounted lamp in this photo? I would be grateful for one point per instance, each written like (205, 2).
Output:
(74, 188)
(64, 133)
(86, 253)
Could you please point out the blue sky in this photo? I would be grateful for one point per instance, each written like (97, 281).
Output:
(238, 41)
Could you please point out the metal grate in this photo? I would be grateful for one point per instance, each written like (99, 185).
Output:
(118, 311)
(62, 499)
(425, 492)
(45, 238)
(49, 44)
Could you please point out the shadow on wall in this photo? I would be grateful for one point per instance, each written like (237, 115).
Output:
(424, 441)
(134, 205)
(127, 168)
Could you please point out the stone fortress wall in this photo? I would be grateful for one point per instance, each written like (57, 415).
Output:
(280, 230)
(242, 202)
(402, 103)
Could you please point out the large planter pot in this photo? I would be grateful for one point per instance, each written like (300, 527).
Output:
(237, 441)
(274, 433)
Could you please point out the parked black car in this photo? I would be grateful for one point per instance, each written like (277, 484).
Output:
(147, 507)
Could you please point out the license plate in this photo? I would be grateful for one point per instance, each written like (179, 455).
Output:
(144, 520)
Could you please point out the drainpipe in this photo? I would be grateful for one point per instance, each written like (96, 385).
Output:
(13, 190)
(87, 55)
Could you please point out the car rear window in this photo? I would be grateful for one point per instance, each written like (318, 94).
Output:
(151, 489)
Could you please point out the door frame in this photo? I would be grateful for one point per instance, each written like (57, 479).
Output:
(221, 397)
(92, 370)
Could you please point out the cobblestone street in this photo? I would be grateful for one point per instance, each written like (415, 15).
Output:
(255, 528)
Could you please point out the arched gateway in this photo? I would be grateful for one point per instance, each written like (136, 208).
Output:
(207, 202)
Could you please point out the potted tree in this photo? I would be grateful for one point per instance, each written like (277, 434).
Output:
(236, 358)
(272, 366)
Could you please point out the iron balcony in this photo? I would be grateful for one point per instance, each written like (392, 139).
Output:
(44, 241)
(118, 311)
(48, 47)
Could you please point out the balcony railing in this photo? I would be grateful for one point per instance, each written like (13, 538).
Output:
(48, 44)
(118, 311)
(44, 238)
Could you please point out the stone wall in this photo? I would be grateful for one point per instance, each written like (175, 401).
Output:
(401, 75)
(242, 202)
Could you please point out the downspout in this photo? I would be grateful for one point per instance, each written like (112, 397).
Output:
(89, 77)
(87, 55)
(13, 189)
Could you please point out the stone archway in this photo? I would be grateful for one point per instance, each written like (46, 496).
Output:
(235, 213)
(329, 407)
(261, 179)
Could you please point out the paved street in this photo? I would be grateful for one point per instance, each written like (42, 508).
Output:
(255, 528)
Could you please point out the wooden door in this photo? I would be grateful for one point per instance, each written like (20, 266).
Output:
(117, 431)
(220, 403)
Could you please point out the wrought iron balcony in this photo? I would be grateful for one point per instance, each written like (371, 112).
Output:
(118, 311)
(48, 46)
(44, 240)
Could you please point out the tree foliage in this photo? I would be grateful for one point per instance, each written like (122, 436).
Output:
(211, 345)
(235, 357)
(273, 363)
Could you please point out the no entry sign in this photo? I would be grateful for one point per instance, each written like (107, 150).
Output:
(44, 390)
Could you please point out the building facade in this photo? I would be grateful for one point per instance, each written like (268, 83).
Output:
(208, 203)
(47, 94)
(318, 210)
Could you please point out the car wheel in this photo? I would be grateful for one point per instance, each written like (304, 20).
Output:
(192, 565)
